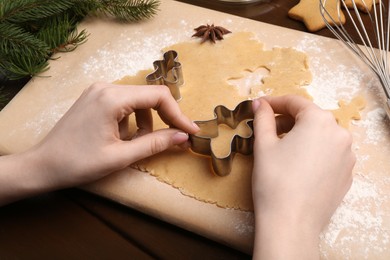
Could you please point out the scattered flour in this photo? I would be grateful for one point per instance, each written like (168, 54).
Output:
(356, 228)
(372, 123)
(331, 81)
(359, 221)
(139, 52)
(241, 224)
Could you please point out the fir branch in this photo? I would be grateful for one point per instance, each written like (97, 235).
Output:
(14, 39)
(61, 35)
(31, 10)
(130, 11)
(74, 40)
(32, 30)
(16, 65)
(54, 31)
(83, 8)
(23, 67)
(21, 53)
(4, 97)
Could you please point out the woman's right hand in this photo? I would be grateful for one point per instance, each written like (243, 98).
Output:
(299, 179)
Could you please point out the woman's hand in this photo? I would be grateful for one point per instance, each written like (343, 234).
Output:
(91, 139)
(87, 143)
(299, 179)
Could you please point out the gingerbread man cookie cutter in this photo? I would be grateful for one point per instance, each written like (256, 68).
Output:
(201, 141)
(168, 71)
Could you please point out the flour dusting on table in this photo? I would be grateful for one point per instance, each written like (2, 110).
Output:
(357, 228)
(139, 52)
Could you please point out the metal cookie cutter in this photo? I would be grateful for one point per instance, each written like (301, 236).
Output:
(168, 72)
(201, 141)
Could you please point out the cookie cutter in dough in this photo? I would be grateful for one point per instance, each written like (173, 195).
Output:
(201, 141)
(167, 71)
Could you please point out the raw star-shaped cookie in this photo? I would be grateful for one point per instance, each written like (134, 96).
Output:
(308, 11)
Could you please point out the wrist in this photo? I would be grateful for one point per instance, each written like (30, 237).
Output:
(22, 175)
(284, 236)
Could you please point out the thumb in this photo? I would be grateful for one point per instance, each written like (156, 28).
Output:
(151, 143)
(264, 123)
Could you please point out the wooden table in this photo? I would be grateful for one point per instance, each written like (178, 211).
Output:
(73, 224)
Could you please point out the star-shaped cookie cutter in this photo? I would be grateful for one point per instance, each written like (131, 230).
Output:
(201, 141)
(168, 71)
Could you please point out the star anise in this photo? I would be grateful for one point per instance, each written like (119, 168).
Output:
(210, 32)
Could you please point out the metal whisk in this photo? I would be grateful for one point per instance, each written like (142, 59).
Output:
(371, 50)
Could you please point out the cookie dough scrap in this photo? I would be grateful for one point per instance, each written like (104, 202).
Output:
(207, 68)
(349, 111)
(308, 12)
(288, 73)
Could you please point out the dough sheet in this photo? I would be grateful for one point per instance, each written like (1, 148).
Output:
(208, 72)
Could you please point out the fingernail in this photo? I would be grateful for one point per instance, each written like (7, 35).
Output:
(179, 138)
(255, 105)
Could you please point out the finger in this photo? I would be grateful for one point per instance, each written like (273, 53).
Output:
(284, 124)
(264, 121)
(150, 144)
(144, 121)
(158, 98)
(289, 105)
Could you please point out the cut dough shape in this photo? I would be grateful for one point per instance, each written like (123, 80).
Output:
(349, 111)
(207, 86)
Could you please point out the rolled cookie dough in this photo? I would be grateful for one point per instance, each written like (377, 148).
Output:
(207, 69)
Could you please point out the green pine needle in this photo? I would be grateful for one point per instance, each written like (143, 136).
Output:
(13, 39)
(19, 11)
(4, 97)
(75, 39)
(20, 66)
(130, 11)
(83, 8)
(60, 34)
(33, 30)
